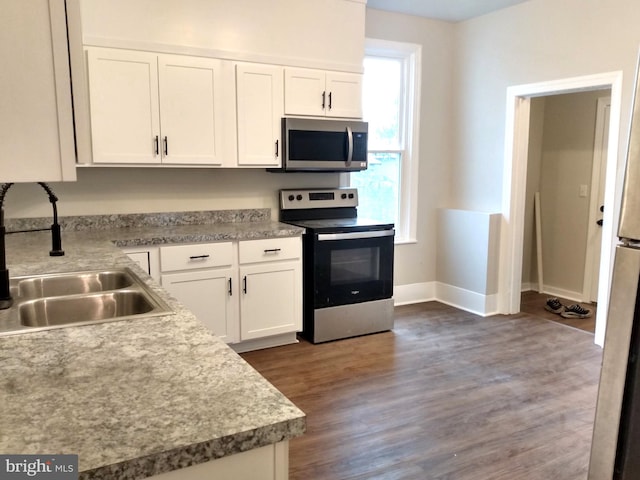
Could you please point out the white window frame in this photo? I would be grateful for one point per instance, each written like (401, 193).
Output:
(411, 55)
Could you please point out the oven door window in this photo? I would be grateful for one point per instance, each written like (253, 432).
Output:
(353, 271)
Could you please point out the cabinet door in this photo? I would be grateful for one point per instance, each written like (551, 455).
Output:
(190, 110)
(148, 258)
(36, 119)
(344, 95)
(210, 296)
(270, 299)
(259, 100)
(304, 92)
(123, 94)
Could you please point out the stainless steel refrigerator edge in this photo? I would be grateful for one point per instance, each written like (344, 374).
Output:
(615, 447)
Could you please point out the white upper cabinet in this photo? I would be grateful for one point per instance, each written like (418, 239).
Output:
(317, 93)
(149, 108)
(125, 115)
(259, 99)
(345, 95)
(36, 117)
(191, 110)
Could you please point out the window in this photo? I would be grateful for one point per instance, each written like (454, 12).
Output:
(388, 188)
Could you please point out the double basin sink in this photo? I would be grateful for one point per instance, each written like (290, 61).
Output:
(81, 298)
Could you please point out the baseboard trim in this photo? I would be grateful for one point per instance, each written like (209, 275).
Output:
(466, 300)
(473, 302)
(562, 293)
(414, 293)
(266, 342)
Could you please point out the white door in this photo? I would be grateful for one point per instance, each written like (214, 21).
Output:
(344, 97)
(123, 93)
(190, 110)
(594, 242)
(270, 299)
(259, 99)
(210, 295)
(304, 92)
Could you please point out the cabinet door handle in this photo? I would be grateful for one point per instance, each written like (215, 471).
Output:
(198, 257)
(166, 146)
(329, 100)
(244, 284)
(272, 250)
(277, 149)
(323, 99)
(157, 145)
(230, 288)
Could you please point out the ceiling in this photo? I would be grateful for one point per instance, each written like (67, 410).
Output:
(449, 10)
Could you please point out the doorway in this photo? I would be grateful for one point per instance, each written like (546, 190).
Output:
(561, 252)
(515, 177)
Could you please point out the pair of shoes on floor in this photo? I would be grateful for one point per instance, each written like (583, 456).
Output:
(572, 311)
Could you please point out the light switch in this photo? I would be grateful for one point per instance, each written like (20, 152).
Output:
(584, 190)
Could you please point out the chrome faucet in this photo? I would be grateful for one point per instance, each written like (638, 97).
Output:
(56, 241)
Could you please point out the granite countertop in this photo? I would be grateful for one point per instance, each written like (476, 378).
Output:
(138, 397)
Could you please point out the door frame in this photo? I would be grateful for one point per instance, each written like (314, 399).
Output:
(514, 185)
(597, 172)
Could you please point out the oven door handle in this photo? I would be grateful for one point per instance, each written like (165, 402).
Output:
(355, 235)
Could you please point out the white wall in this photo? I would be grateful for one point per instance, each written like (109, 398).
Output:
(138, 190)
(317, 33)
(416, 263)
(539, 40)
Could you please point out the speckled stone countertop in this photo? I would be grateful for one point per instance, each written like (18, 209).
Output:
(134, 398)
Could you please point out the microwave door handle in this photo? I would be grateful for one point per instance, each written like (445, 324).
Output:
(350, 147)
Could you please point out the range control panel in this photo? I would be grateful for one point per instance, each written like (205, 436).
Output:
(318, 198)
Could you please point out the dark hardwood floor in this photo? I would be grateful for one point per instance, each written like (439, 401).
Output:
(533, 303)
(445, 395)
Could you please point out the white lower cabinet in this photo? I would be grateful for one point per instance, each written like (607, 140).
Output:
(202, 276)
(147, 258)
(271, 276)
(270, 462)
(249, 293)
(209, 295)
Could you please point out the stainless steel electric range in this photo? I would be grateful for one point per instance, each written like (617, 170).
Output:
(347, 264)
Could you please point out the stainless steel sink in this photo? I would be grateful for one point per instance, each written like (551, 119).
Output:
(70, 284)
(82, 308)
(81, 298)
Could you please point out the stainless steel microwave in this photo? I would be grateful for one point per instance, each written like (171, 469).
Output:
(323, 145)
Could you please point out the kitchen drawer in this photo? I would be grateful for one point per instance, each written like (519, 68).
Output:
(270, 249)
(189, 257)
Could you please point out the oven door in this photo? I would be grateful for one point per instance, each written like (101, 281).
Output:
(353, 267)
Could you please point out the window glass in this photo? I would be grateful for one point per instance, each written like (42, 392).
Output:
(388, 189)
(378, 187)
(381, 101)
